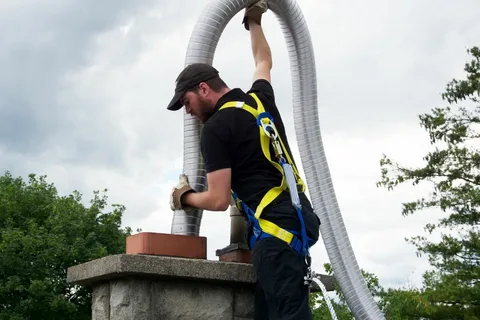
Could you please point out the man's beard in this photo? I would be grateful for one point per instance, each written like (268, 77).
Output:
(206, 110)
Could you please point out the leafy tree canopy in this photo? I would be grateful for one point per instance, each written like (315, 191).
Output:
(41, 235)
(452, 289)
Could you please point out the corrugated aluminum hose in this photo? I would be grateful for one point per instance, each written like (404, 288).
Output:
(201, 48)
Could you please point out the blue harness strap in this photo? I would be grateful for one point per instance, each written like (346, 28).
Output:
(300, 242)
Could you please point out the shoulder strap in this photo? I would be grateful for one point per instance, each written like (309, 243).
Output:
(265, 123)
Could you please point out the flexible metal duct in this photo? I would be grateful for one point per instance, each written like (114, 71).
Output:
(201, 48)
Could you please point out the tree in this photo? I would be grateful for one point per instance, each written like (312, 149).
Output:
(41, 235)
(403, 303)
(452, 289)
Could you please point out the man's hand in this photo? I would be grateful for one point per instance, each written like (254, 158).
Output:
(178, 191)
(254, 11)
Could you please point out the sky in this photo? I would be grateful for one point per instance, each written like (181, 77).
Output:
(84, 87)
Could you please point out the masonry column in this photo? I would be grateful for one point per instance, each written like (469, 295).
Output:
(147, 287)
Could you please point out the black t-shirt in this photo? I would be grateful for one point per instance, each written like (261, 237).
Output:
(231, 139)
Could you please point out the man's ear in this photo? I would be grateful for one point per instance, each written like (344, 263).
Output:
(203, 89)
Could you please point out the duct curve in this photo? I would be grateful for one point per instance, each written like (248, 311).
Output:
(201, 48)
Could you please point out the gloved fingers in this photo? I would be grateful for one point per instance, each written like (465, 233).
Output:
(183, 179)
(254, 10)
(172, 200)
(258, 3)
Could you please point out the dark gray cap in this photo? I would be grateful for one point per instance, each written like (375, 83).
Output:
(191, 76)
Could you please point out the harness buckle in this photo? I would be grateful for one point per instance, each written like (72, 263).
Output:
(277, 148)
(265, 120)
(269, 130)
(308, 278)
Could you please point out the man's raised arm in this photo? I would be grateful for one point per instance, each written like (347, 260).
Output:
(262, 54)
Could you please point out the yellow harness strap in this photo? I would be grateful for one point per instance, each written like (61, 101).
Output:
(274, 192)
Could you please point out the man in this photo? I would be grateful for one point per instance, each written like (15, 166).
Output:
(234, 160)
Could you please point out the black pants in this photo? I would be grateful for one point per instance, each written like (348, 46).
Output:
(280, 293)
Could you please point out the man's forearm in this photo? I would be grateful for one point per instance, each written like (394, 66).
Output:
(260, 48)
(204, 200)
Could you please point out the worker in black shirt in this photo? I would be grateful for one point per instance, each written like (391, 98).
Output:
(236, 160)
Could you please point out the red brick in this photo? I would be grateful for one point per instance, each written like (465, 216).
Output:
(240, 255)
(164, 244)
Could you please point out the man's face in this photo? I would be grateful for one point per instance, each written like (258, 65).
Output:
(198, 105)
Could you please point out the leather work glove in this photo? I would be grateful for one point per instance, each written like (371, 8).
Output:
(254, 11)
(178, 191)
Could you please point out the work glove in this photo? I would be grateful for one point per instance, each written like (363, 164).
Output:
(254, 11)
(178, 191)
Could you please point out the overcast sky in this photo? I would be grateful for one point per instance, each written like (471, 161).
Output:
(84, 87)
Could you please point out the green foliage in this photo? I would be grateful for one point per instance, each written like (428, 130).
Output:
(452, 289)
(402, 304)
(41, 235)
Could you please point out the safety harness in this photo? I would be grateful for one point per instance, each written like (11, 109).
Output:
(291, 180)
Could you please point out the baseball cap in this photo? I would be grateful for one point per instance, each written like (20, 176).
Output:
(191, 76)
